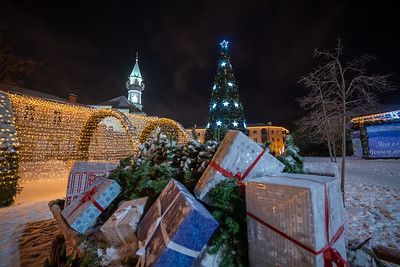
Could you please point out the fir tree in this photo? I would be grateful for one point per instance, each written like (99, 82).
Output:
(226, 110)
(291, 158)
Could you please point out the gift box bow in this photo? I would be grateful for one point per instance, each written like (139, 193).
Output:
(88, 196)
(239, 176)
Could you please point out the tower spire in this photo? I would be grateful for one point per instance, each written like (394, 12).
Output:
(135, 84)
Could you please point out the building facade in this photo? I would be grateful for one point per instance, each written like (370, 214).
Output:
(259, 133)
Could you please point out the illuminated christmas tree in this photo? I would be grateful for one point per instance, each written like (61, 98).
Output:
(226, 110)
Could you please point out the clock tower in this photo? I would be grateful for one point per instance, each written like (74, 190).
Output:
(135, 85)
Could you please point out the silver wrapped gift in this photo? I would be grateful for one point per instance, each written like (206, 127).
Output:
(289, 217)
(121, 227)
(236, 154)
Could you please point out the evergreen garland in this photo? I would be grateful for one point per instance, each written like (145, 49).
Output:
(230, 212)
(159, 161)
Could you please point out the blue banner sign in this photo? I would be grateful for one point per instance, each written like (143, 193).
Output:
(384, 140)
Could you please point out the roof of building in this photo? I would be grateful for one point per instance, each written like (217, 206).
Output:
(358, 112)
(248, 125)
(27, 92)
(23, 91)
(121, 102)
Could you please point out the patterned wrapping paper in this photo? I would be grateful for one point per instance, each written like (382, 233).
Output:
(82, 213)
(121, 227)
(235, 154)
(85, 175)
(175, 229)
(295, 205)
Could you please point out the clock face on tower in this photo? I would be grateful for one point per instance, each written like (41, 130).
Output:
(135, 98)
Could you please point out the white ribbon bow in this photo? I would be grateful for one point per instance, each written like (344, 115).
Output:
(119, 215)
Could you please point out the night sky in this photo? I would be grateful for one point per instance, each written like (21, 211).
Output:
(89, 49)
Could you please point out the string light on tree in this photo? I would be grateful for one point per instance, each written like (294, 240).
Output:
(222, 119)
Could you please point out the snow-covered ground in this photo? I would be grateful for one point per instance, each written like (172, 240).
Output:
(372, 205)
(372, 200)
(22, 226)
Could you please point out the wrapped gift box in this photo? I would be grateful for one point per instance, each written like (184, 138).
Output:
(121, 227)
(290, 208)
(82, 213)
(175, 229)
(85, 175)
(236, 154)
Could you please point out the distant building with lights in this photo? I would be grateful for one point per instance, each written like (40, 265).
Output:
(259, 133)
(377, 135)
(132, 103)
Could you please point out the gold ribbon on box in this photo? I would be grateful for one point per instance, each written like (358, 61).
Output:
(141, 252)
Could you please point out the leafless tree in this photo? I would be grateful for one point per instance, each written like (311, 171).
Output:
(13, 69)
(319, 121)
(337, 88)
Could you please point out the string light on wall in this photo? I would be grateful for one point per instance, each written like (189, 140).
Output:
(170, 127)
(38, 133)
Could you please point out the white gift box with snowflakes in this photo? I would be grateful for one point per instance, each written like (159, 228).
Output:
(295, 220)
(238, 157)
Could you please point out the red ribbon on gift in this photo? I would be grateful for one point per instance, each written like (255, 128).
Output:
(239, 176)
(330, 254)
(88, 195)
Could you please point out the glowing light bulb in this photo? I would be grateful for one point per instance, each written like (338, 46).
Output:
(223, 64)
(224, 44)
(236, 104)
(214, 105)
(235, 124)
(219, 123)
(230, 84)
(226, 103)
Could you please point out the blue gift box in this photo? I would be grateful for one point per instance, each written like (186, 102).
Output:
(175, 229)
(82, 213)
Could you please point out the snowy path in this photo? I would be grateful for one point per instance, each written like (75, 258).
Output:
(372, 172)
(30, 206)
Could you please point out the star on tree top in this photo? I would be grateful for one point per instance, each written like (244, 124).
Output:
(224, 44)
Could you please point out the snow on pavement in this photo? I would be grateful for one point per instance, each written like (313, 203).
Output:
(373, 211)
(30, 206)
(372, 200)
